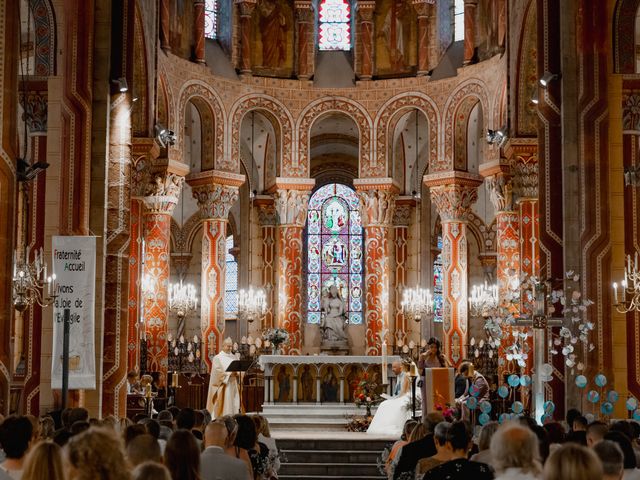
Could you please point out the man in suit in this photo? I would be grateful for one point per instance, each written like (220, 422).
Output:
(214, 462)
(423, 448)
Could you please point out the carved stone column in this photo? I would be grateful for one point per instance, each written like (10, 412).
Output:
(198, 31)
(470, 11)
(246, 10)
(401, 219)
(423, 8)
(304, 23)
(161, 197)
(364, 11)
(165, 33)
(268, 219)
(291, 201)
(215, 192)
(378, 205)
(453, 195)
(31, 198)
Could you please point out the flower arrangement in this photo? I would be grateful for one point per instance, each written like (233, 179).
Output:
(357, 423)
(448, 412)
(365, 394)
(276, 337)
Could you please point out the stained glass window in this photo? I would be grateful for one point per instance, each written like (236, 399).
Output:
(334, 246)
(458, 18)
(334, 25)
(438, 274)
(210, 19)
(231, 282)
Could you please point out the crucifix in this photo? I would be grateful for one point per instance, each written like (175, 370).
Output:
(539, 322)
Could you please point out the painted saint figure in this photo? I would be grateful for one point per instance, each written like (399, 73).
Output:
(274, 26)
(393, 31)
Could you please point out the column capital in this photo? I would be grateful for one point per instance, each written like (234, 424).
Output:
(246, 7)
(404, 211)
(162, 192)
(291, 206)
(377, 200)
(422, 7)
(34, 101)
(453, 193)
(266, 210)
(365, 9)
(215, 200)
(303, 10)
(500, 189)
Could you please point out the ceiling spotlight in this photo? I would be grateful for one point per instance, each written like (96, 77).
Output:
(497, 137)
(534, 98)
(29, 171)
(165, 136)
(547, 78)
(123, 86)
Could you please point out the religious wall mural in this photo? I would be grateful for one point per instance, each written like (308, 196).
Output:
(272, 49)
(396, 37)
(283, 377)
(307, 384)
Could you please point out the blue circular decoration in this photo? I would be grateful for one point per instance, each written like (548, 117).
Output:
(474, 391)
(545, 418)
(606, 408)
(636, 415)
(632, 404)
(549, 407)
(517, 407)
(513, 380)
(485, 406)
(525, 380)
(600, 380)
(484, 419)
(472, 403)
(581, 381)
(503, 391)
(593, 396)
(504, 417)
(613, 396)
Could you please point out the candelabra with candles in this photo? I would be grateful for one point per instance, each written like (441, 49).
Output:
(30, 281)
(630, 287)
(483, 300)
(252, 303)
(416, 303)
(185, 355)
(183, 299)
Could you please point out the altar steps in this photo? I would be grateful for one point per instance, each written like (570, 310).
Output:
(331, 459)
(310, 417)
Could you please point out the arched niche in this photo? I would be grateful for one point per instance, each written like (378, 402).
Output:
(409, 150)
(260, 149)
(468, 125)
(334, 149)
(625, 36)
(198, 135)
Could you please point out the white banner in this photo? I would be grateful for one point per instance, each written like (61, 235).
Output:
(74, 263)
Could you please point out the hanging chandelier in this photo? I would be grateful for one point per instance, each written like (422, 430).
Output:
(183, 298)
(483, 300)
(30, 280)
(252, 303)
(417, 303)
(630, 287)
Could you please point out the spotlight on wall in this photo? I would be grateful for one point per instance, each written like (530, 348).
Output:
(164, 136)
(534, 98)
(497, 137)
(632, 176)
(123, 86)
(29, 171)
(547, 78)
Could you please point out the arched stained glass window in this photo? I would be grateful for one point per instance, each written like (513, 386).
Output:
(458, 15)
(230, 282)
(210, 19)
(334, 25)
(438, 275)
(334, 246)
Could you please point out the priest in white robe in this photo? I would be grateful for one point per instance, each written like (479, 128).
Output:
(224, 392)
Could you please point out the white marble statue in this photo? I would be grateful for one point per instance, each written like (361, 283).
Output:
(334, 318)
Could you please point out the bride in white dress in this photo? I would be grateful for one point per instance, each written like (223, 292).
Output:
(394, 412)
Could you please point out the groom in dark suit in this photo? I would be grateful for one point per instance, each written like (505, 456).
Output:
(214, 462)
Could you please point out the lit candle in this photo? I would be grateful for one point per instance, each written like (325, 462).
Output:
(385, 378)
(174, 380)
(615, 291)
(624, 290)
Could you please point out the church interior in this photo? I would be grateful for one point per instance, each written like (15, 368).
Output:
(317, 179)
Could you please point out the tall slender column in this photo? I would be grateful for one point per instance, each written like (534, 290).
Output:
(364, 9)
(215, 192)
(162, 196)
(198, 31)
(28, 336)
(304, 22)
(423, 8)
(470, 9)
(291, 205)
(401, 220)
(378, 205)
(267, 218)
(453, 197)
(246, 10)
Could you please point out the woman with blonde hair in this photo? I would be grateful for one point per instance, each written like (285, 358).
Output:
(44, 462)
(96, 453)
(573, 462)
(515, 453)
(150, 471)
(231, 448)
